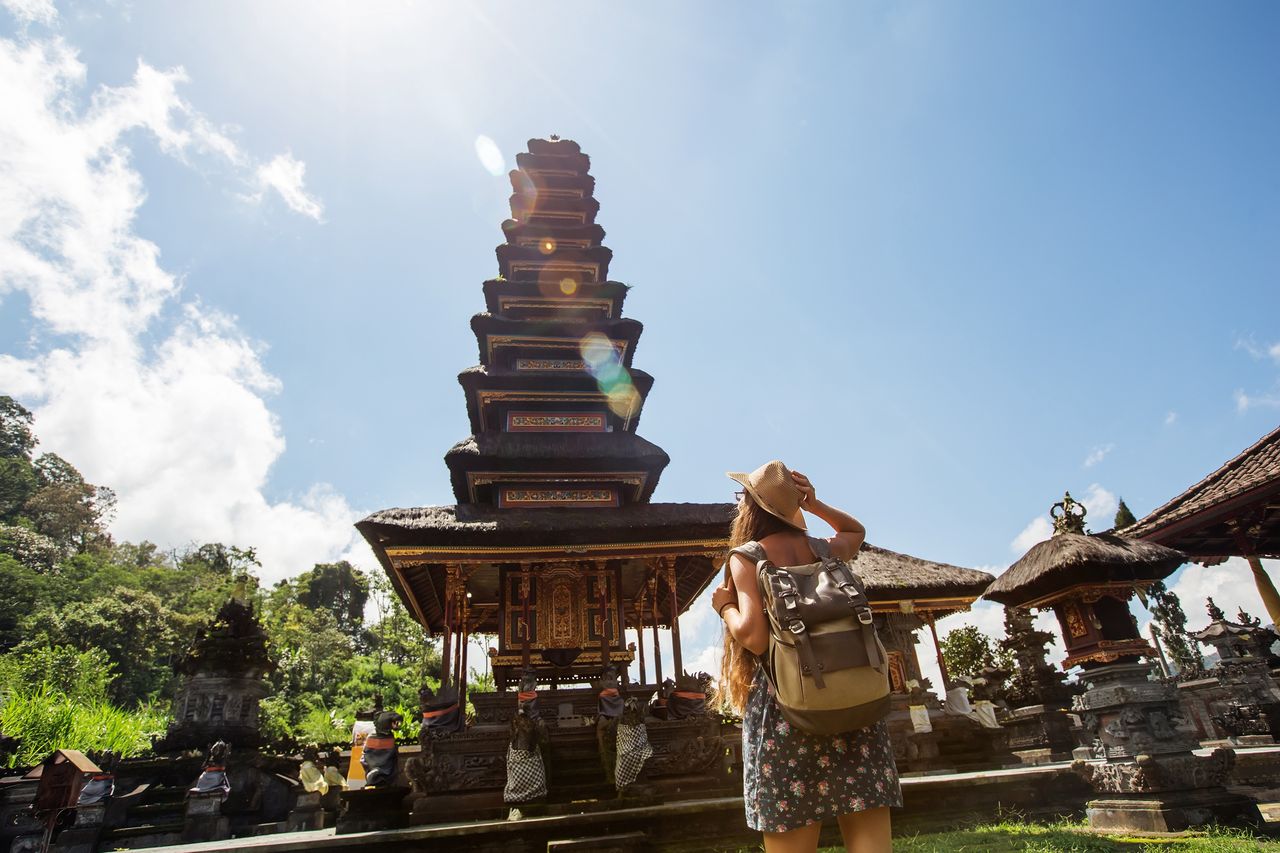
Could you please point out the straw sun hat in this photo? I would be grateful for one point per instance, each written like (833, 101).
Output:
(772, 487)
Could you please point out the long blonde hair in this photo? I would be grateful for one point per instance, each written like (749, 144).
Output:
(738, 665)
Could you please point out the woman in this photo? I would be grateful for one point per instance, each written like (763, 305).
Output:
(794, 779)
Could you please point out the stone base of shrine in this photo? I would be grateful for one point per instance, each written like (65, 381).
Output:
(1172, 811)
(1240, 742)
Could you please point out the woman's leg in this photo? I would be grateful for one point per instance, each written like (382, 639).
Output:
(803, 839)
(867, 832)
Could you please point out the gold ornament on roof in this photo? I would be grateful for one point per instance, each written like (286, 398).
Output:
(1068, 515)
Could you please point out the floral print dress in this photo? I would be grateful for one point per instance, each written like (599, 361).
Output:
(792, 778)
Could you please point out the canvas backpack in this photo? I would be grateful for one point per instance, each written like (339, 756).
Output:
(829, 670)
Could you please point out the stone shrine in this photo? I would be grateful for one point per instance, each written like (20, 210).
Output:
(1141, 762)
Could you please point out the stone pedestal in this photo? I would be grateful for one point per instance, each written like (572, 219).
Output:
(1039, 734)
(307, 813)
(369, 809)
(1147, 777)
(204, 820)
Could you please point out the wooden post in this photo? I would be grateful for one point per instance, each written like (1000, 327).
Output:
(657, 646)
(942, 664)
(1266, 588)
(446, 649)
(525, 580)
(602, 587)
(640, 635)
(669, 569)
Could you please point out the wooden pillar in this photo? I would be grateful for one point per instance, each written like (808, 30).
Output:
(446, 647)
(1266, 588)
(602, 595)
(621, 603)
(669, 571)
(640, 635)
(464, 636)
(942, 664)
(657, 646)
(525, 580)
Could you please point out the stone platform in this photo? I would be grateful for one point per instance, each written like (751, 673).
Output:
(931, 802)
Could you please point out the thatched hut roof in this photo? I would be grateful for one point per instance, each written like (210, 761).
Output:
(1072, 559)
(891, 576)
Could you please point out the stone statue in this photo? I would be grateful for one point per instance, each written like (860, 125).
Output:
(689, 696)
(441, 712)
(609, 709)
(633, 748)
(381, 756)
(526, 767)
(213, 778)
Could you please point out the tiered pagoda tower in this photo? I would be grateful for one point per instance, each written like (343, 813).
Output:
(554, 545)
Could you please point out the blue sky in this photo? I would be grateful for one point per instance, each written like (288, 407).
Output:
(948, 259)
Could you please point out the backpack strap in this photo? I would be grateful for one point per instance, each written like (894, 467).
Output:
(854, 592)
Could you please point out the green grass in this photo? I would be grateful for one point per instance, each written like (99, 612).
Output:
(45, 721)
(1073, 837)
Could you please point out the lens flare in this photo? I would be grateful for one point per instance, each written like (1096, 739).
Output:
(624, 400)
(568, 286)
(490, 155)
(597, 350)
(547, 246)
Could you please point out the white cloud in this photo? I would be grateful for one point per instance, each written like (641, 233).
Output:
(1259, 352)
(1245, 402)
(1037, 530)
(1098, 454)
(1170, 418)
(32, 11)
(284, 174)
(160, 398)
(1230, 584)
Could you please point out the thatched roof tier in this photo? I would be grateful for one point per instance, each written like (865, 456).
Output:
(500, 531)
(542, 300)
(502, 340)
(577, 184)
(520, 232)
(555, 147)
(493, 393)
(541, 162)
(939, 587)
(1245, 491)
(414, 546)
(553, 263)
(1078, 559)
(482, 461)
(542, 207)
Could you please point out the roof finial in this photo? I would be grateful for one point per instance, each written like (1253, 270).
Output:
(555, 137)
(1070, 515)
(1215, 612)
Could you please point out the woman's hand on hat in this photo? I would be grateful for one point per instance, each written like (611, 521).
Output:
(807, 494)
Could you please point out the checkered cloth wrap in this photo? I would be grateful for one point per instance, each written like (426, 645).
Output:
(633, 751)
(526, 778)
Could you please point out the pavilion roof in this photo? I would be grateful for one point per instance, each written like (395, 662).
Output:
(891, 576)
(1249, 483)
(1075, 559)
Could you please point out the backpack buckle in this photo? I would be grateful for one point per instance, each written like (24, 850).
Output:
(796, 626)
(865, 616)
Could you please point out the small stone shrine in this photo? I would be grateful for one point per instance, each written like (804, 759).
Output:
(222, 681)
(1037, 695)
(1141, 763)
(1250, 711)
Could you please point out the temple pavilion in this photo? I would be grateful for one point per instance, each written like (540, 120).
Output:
(1232, 512)
(554, 545)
